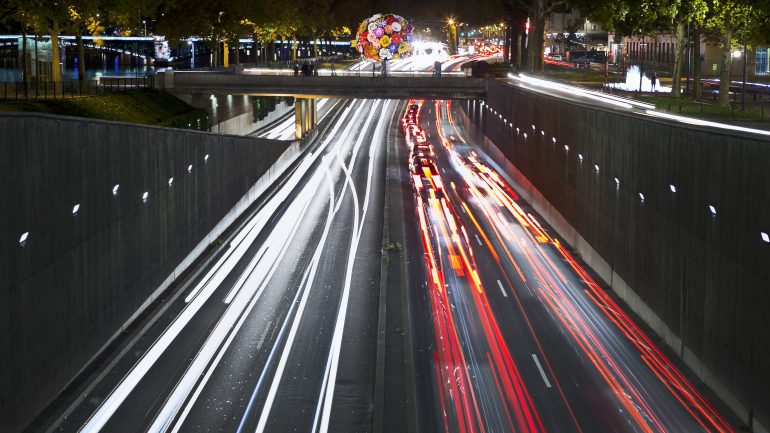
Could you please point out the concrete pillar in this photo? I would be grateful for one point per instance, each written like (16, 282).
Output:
(305, 116)
(313, 113)
(225, 55)
(168, 79)
(298, 117)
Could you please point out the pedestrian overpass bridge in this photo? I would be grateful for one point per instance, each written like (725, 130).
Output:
(339, 86)
(308, 89)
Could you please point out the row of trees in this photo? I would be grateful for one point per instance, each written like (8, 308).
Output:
(732, 24)
(215, 21)
(264, 20)
(77, 17)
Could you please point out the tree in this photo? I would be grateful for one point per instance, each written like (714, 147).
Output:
(538, 11)
(683, 13)
(730, 21)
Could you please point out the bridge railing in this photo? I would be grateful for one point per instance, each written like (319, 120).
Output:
(48, 89)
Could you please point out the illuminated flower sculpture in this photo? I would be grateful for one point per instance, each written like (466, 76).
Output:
(384, 36)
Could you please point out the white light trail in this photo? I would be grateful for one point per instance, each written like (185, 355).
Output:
(339, 328)
(200, 295)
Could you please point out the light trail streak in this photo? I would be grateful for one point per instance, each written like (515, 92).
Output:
(200, 295)
(226, 328)
(509, 401)
(484, 184)
(264, 415)
(336, 345)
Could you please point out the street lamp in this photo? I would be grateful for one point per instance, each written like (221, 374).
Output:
(145, 27)
(192, 50)
(452, 35)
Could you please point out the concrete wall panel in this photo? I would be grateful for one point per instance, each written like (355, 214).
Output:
(79, 278)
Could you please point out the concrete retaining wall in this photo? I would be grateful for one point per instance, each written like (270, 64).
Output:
(229, 114)
(79, 279)
(701, 281)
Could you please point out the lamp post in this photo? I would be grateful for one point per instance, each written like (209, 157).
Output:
(743, 86)
(192, 51)
(452, 35)
(643, 51)
(145, 27)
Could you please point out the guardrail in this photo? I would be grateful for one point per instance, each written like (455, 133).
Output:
(33, 90)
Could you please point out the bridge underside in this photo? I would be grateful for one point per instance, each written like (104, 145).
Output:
(343, 86)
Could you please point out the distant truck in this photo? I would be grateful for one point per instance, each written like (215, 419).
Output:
(482, 69)
(585, 56)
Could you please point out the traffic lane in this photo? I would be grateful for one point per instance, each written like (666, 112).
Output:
(511, 300)
(417, 302)
(497, 277)
(155, 383)
(222, 403)
(667, 409)
(316, 373)
(561, 406)
(354, 392)
(568, 398)
(550, 319)
(294, 267)
(489, 384)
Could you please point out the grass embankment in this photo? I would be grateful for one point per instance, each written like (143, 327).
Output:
(145, 106)
(665, 102)
(706, 109)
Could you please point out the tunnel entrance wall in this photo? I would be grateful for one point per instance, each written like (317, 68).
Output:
(79, 279)
(702, 282)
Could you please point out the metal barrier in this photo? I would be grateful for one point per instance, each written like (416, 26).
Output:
(33, 90)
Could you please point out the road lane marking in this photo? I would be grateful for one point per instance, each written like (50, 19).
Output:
(501, 288)
(478, 240)
(528, 290)
(264, 334)
(325, 400)
(542, 373)
(273, 390)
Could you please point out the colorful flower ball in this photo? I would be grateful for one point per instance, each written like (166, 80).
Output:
(384, 36)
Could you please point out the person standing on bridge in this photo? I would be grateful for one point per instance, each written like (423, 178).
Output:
(653, 80)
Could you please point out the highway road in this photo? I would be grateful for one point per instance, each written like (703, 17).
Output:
(523, 338)
(278, 331)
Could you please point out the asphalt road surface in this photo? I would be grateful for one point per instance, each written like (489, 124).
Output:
(492, 325)
(523, 338)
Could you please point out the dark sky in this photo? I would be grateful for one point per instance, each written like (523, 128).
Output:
(465, 10)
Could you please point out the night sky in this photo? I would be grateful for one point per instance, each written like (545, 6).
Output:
(475, 12)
